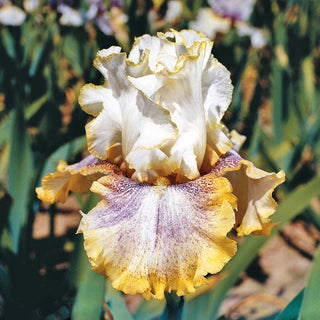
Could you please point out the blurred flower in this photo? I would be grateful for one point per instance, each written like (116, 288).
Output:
(11, 15)
(171, 182)
(109, 22)
(30, 5)
(210, 23)
(233, 9)
(70, 16)
(98, 13)
(174, 11)
(256, 35)
(225, 14)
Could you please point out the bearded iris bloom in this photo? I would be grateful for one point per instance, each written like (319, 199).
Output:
(171, 182)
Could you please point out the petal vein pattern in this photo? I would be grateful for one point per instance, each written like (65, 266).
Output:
(148, 239)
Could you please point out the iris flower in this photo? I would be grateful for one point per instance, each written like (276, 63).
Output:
(222, 15)
(11, 15)
(171, 182)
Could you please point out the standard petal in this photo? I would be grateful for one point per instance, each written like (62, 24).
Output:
(92, 97)
(125, 117)
(157, 52)
(181, 95)
(77, 178)
(189, 38)
(253, 188)
(216, 90)
(151, 239)
(105, 130)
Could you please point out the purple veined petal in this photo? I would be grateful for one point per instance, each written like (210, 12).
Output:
(150, 239)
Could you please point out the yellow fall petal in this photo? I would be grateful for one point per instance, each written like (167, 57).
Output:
(253, 187)
(77, 178)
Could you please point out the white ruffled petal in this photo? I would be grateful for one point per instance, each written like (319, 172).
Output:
(125, 117)
(180, 93)
(216, 90)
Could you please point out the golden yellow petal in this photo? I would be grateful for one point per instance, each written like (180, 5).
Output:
(253, 188)
(77, 178)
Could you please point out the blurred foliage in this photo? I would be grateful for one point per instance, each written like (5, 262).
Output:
(43, 65)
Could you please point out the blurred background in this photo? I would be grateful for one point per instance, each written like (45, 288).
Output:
(47, 48)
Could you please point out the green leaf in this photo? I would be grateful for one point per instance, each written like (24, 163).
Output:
(91, 286)
(33, 108)
(310, 308)
(148, 310)
(292, 310)
(63, 153)
(39, 52)
(5, 128)
(79, 264)
(209, 303)
(8, 42)
(89, 299)
(277, 100)
(19, 176)
(116, 303)
(30, 35)
(6, 239)
(72, 50)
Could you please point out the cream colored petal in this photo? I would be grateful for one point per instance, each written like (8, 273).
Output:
(253, 188)
(92, 98)
(106, 129)
(77, 178)
(124, 116)
(216, 90)
(141, 118)
(112, 64)
(151, 239)
(161, 53)
(219, 140)
(191, 40)
(187, 37)
(181, 95)
(146, 42)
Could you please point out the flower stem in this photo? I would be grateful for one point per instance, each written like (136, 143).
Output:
(173, 310)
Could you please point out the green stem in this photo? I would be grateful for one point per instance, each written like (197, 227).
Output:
(173, 310)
